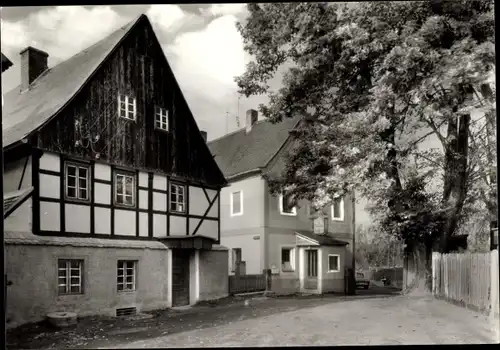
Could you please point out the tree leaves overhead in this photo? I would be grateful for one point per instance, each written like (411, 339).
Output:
(372, 81)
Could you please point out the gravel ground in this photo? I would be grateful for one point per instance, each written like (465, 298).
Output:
(368, 318)
(377, 321)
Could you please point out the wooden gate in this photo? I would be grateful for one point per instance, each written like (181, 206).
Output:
(180, 277)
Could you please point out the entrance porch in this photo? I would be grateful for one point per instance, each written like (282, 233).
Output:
(321, 263)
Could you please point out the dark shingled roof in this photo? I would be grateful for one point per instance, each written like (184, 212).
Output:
(322, 239)
(238, 152)
(24, 112)
(6, 63)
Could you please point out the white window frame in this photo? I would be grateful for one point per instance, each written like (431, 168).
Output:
(77, 181)
(124, 175)
(292, 258)
(341, 217)
(338, 263)
(176, 201)
(130, 107)
(161, 118)
(67, 276)
(231, 199)
(122, 270)
(280, 205)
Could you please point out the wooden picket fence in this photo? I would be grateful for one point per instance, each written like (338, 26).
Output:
(247, 283)
(467, 279)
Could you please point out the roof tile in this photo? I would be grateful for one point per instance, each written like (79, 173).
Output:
(239, 152)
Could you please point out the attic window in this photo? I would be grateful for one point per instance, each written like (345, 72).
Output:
(127, 107)
(161, 118)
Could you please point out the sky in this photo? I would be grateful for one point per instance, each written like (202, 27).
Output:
(200, 41)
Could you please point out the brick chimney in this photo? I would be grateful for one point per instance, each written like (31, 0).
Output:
(204, 135)
(33, 63)
(252, 117)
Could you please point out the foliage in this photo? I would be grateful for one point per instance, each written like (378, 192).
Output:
(377, 248)
(372, 82)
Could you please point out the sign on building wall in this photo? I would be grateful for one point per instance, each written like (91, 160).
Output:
(320, 224)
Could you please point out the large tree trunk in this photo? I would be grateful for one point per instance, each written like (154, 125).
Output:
(418, 268)
(455, 177)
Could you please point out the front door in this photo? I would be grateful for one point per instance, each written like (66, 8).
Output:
(311, 280)
(180, 277)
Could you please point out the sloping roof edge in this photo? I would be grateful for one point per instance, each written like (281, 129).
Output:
(29, 238)
(21, 195)
(283, 144)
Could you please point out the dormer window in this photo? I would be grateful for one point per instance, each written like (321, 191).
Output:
(161, 118)
(127, 107)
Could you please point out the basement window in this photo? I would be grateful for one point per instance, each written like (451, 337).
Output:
(126, 275)
(127, 107)
(161, 118)
(70, 276)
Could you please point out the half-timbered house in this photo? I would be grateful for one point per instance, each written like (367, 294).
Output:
(112, 195)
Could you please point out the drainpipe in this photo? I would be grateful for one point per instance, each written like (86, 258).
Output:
(354, 241)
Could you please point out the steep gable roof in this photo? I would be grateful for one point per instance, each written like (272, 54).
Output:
(239, 152)
(6, 63)
(24, 112)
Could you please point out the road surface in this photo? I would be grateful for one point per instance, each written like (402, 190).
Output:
(371, 321)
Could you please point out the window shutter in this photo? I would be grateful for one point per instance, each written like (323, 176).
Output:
(292, 258)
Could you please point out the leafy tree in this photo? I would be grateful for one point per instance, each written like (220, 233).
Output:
(373, 81)
(376, 248)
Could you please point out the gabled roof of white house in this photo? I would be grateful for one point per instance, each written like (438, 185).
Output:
(26, 111)
(239, 152)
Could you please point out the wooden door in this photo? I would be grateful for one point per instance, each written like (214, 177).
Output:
(311, 280)
(180, 277)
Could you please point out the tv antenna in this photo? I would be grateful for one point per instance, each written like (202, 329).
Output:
(238, 113)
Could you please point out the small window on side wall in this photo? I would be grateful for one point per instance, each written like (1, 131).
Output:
(161, 118)
(338, 209)
(237, 203)
(286, 205)
(287, 259)
(333, 263)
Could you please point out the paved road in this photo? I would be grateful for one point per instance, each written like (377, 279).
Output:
(371, 321)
